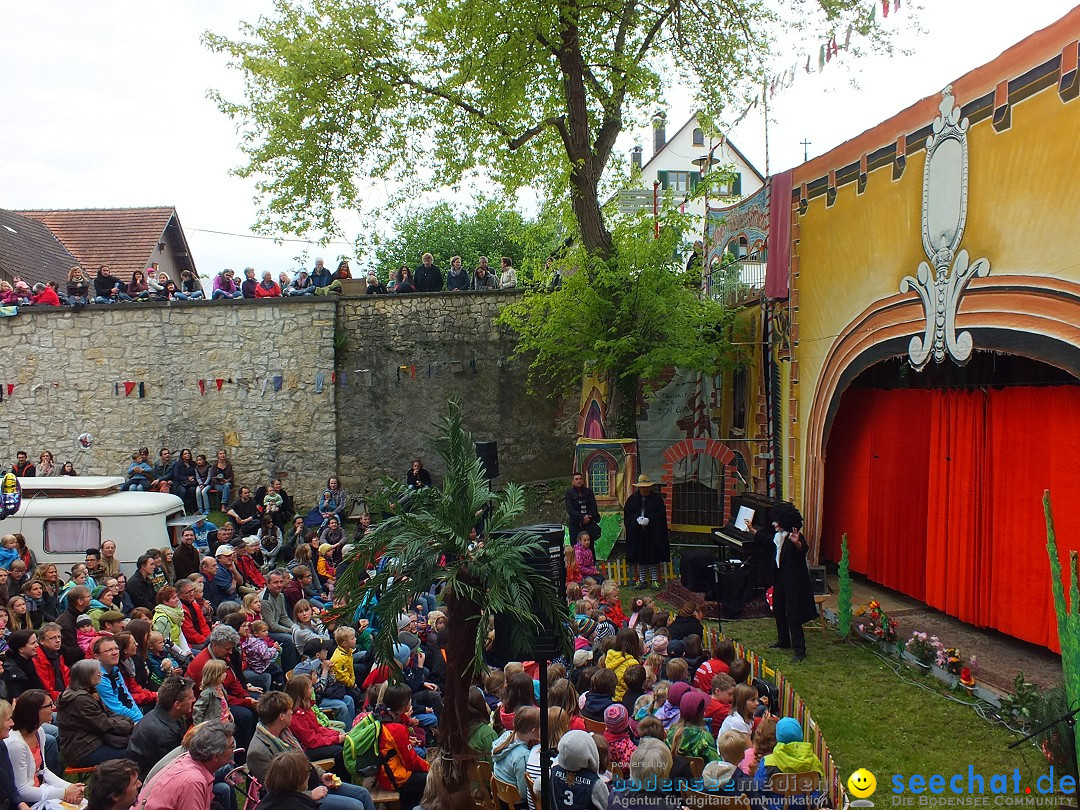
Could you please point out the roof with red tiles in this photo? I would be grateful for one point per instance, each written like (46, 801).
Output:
(30, 251)
(123, 238)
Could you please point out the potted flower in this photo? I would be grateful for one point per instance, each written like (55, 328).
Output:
(967, 680)
(920, 649)
(886, 627)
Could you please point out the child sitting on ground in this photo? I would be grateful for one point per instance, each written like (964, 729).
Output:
(586, 558)
(688, 737)
(609, 600)
(573, 573)
(601, 695)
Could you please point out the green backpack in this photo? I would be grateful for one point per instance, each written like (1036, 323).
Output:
(361, 749)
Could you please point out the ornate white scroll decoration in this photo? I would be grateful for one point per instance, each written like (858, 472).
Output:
(944, 214)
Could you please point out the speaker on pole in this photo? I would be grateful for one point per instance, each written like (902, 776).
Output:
(514, 642)
(488, 453)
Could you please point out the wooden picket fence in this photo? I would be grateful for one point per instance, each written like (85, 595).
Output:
(624, 573)
(791, 705)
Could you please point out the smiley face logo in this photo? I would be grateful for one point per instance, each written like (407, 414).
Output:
(862, 783)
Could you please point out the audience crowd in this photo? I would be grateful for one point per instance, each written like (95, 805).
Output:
(155, 285)
(234, 639)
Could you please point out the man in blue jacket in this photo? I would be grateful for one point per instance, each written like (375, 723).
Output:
(113, 691)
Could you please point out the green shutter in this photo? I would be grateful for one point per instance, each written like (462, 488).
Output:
(736, 185)
(662, 177)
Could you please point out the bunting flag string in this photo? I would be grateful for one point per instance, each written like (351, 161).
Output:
(828, 49)
(202, 386)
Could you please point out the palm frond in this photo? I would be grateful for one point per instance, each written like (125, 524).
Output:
(426, 540)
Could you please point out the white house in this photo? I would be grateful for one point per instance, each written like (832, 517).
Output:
(673, 167)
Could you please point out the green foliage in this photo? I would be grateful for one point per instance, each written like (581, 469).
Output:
(1024, 704)
(337, 92)
(486, 227)
(432, 525)
(843, 597)
(633, 315)
(1057, 743)
(1068, 619)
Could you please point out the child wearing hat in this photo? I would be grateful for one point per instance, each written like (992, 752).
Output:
(688, 737)
(792, 754)
(325, 566)
(575, 776)
(668, 714)
(621, 745)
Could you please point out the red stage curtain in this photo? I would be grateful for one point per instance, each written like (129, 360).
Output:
(940, 494)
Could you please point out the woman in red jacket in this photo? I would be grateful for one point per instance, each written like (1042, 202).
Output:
(267, 288)
(408, 769)
(319, 742)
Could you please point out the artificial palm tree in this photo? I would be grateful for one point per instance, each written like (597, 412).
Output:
(429, 539)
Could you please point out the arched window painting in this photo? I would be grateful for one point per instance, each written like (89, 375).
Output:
(601, 469)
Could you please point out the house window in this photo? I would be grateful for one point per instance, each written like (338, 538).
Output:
(699, 138)
(679, 182)
(72, 535)
(600, 477)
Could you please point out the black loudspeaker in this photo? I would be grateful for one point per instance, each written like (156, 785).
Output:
(696, 571)
(488, 453)
(514, 642)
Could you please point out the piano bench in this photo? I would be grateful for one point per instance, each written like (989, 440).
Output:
(819, 600)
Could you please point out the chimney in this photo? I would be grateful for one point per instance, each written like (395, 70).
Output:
(635, 158)
(659, 123)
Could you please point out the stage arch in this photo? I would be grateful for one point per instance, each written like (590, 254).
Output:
(940, 486)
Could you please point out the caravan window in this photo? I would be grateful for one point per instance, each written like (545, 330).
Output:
(72, 535)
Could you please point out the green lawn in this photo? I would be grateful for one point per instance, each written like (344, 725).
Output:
(890, 723)
(880, 714)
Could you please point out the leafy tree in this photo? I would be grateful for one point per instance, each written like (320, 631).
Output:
(528, 93)
(843, 599)
(486, 228)
(427, 541)
(632, 316)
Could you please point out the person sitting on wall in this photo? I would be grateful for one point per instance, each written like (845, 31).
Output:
(403, 281)
(301, 285)
(225, 286)
(457, 280)
(108, 289)
(190, 286)
(248, 285)
(374, 286)
(267, 288)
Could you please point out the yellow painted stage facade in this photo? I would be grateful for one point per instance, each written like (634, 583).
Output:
(937, 254)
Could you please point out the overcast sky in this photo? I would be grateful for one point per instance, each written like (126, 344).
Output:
(104, 105)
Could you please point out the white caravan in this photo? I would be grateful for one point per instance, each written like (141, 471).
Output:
(61, 517)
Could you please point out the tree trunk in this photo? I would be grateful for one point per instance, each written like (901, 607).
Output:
(586, 204)
(463, 620)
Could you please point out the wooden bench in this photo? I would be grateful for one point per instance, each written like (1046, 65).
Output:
(387, 799)
(78, 774)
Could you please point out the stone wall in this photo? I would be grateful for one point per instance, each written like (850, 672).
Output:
(406, 355)
(69, 371)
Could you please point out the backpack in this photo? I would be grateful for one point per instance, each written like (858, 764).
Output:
(361, 749)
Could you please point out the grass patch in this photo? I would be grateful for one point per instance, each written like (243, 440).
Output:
(879, 714)
(873, 717)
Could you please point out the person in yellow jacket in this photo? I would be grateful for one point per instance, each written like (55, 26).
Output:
(341, 662)
(627, 652)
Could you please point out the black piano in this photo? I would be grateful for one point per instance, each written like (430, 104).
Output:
(745, 566)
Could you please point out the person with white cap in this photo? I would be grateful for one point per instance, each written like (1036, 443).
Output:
(645, 519)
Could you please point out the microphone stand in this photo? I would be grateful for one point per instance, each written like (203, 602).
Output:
(1069, 719)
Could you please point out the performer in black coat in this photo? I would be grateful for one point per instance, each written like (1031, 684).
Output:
(645, 518)
(793, 593)
(582, 514)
